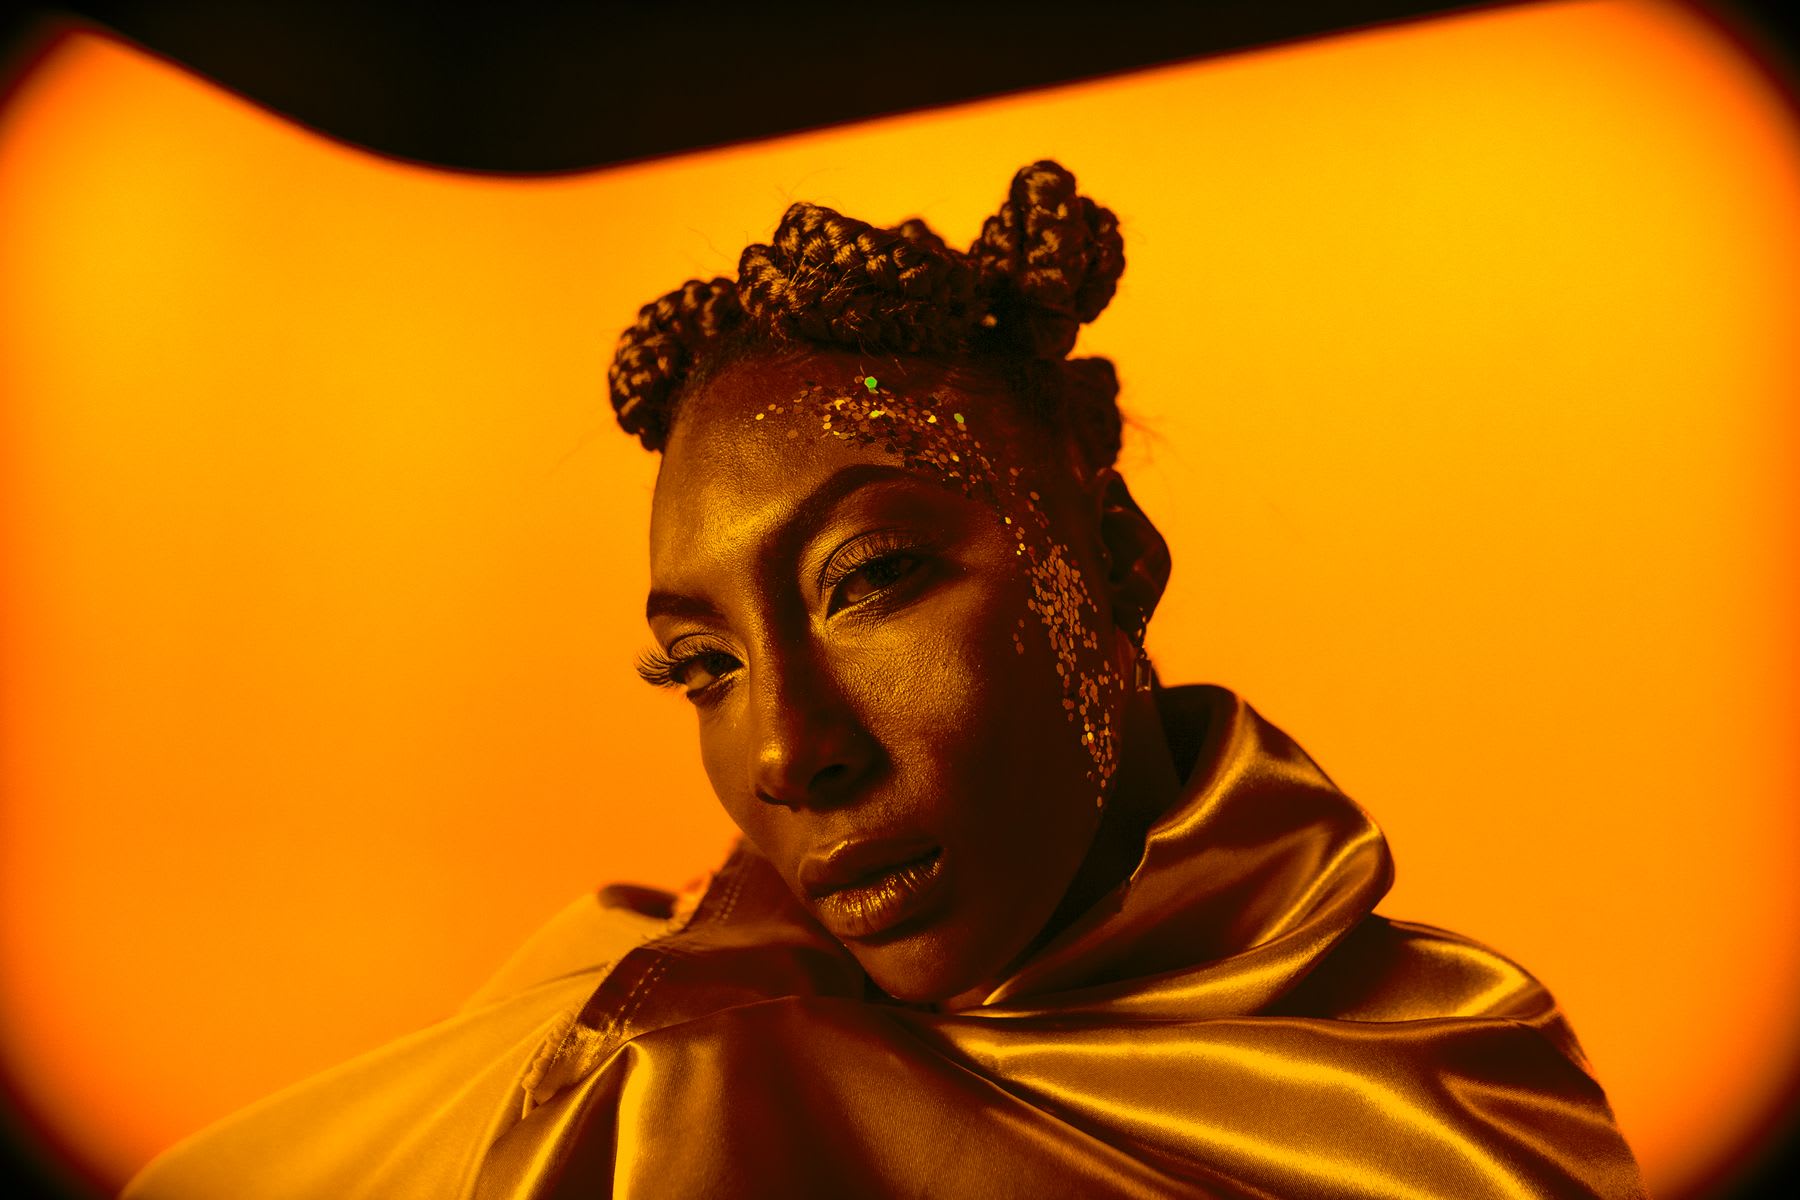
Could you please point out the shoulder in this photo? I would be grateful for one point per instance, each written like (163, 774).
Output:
(413, 1117)
(587, 935)
(1389, 970)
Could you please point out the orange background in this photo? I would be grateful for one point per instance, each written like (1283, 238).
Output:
(1462, 360)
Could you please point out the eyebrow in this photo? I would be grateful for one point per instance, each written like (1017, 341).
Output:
(809, 512)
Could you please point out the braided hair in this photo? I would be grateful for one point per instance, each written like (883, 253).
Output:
(1046, 263)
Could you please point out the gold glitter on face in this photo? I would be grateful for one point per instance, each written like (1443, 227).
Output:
(933, 439)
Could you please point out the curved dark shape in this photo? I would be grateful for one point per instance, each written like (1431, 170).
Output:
(566, 87)
(559, 87)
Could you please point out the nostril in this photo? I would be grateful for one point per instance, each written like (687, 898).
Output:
(768, 798)
(805, 757)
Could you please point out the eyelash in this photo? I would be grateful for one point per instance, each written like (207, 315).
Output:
(873, 550)
(662, 670)
(656, 668)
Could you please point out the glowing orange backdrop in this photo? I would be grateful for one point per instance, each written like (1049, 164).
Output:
(324, 564)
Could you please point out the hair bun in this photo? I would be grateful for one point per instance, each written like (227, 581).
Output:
(825, 277)
(1052, 258)
(1047, 262)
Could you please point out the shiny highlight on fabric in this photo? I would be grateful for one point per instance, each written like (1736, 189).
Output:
(1233, 1022)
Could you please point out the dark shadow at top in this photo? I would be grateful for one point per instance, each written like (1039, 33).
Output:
(565, 87)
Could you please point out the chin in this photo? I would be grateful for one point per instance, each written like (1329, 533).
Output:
(910, 987)
(921, 969)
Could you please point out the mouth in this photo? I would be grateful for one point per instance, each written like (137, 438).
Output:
(861, 890)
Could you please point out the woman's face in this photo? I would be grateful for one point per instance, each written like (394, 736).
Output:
(892, 625)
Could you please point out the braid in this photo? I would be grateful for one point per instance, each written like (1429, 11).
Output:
(830, 278)
(655, 355)
(1090, 400)
(1052, 257)
(1047, 262)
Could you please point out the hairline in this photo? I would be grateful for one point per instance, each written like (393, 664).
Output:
(1043, 434)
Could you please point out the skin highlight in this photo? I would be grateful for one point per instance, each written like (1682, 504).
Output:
(896, 622)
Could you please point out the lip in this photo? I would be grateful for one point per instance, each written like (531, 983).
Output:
(863, 888)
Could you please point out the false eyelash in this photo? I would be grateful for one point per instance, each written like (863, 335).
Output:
(865, 552)
(657, 669)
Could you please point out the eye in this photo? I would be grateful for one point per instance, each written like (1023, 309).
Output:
(869, 565)
(873, 577)
(695, 672)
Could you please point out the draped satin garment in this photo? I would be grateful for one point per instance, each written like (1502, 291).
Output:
(1232, 1021)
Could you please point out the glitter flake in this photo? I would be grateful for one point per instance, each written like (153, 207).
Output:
(909, 429)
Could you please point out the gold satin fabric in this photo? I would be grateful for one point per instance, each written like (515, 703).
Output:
(1231, 1022)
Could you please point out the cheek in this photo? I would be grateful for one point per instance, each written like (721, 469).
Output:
(1063, 630)
(993, 749)
(974, 707)
(1092, 690)
(722, 755)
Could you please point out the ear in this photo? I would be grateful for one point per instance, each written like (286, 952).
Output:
(1134, 552)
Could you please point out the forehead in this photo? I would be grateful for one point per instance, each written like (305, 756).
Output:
(763, 434)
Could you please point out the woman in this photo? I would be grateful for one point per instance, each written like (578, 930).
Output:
(1008, 917)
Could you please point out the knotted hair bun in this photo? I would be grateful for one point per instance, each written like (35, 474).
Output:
(1051, 259)
(1047, 262)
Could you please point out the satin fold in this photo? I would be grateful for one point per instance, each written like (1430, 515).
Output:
(1232, 1021)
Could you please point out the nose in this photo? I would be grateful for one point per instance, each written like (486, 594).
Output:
(808, 749)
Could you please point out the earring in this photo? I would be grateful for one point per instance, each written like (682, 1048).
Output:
(1143, 674)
